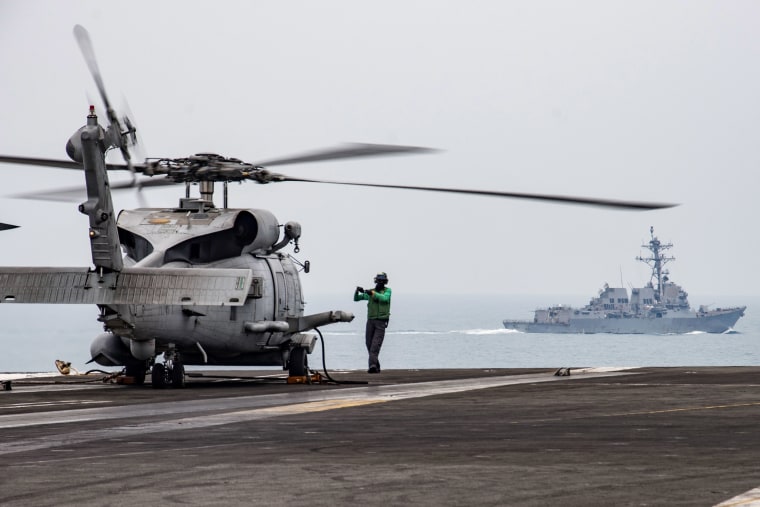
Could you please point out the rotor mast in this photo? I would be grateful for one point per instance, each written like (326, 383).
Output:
(657, 262)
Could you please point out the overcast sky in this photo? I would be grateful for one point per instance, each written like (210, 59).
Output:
(645, 100)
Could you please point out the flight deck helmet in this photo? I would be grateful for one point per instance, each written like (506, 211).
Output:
(381, 278)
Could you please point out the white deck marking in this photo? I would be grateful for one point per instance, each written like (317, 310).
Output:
(749, 499)
(20, 376)
(53, 403)
(241, 409)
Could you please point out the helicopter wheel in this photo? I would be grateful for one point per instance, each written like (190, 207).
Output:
(158, 376)
(137, 372)
(297, 364)
(177, 374)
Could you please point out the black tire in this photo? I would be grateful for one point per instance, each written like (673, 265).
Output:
(297, 363)
(137, 372)
(158, 376)
(178, 375)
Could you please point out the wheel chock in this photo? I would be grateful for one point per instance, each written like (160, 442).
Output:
(124, 380)
(313, 377)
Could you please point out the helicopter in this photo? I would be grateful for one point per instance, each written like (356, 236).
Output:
(194, 284)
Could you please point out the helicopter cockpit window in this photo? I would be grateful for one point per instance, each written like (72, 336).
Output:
(205, 249)
(135, 245)
(217, 245)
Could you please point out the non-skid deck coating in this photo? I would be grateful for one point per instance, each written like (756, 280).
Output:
(653, 436)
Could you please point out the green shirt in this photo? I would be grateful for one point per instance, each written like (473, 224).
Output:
(379, 304)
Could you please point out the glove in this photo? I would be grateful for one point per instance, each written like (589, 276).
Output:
(359, 290)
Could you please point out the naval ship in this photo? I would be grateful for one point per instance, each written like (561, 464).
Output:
(662, 307)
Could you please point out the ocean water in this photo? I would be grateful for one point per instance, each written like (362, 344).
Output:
(426, 331)
(449, 331)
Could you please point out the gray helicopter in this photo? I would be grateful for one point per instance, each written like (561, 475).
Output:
(195, 284)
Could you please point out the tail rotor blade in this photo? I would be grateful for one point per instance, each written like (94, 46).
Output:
(85, 45)
(118, 137)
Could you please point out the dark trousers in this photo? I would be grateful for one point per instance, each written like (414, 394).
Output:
(374, 335)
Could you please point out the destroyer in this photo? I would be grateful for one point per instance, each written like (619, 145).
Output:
(662, 307)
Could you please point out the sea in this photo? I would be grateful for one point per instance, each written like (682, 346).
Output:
(425, 331)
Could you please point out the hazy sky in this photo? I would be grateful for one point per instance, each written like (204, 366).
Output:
(645, 100)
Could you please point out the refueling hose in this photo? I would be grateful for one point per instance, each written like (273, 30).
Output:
(324, 366)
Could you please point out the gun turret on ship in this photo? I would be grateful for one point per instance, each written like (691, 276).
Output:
(661, 307)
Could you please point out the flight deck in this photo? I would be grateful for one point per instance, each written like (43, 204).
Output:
(649, 436)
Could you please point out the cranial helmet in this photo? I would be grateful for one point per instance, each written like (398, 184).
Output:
(381, 278)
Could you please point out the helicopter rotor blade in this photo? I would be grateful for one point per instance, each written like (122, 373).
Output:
(587, 201)
(5, 227)
(63, 164)
(266, 177)
(350, 150)
(45, 162)
(70, 194)
(85, 45)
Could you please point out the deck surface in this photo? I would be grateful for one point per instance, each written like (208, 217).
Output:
(651, 436)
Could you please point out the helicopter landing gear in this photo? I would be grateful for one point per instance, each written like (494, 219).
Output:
(297, 362)
(170, 373)
(137, 372)
(177, 375)
(158, 376)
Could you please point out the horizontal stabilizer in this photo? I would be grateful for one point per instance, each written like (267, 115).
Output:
(131, 286)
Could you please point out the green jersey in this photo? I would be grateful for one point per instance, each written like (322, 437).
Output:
(378, 305)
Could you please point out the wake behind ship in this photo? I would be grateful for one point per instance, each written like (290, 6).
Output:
(662, 307)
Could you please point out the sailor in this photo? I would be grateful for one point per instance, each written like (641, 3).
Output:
(378, 313)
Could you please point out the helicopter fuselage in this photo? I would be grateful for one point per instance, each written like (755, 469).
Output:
(194, 237)
(235, 298)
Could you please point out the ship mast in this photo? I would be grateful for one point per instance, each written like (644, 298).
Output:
(657, 261)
